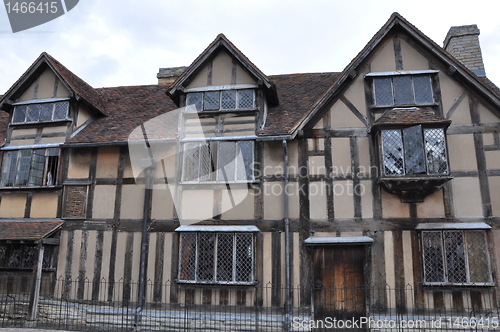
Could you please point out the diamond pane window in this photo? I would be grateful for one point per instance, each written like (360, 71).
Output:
(211, 101)
(414, 150)
(218, 161)
(30, 168)
(392, 147)
(245, 99)
(455, 257)
(195, 99)
(423, 89)
(435, 150)
(46, 111)
(23, 256)
(61, 110)
(43, 112)
(19, 114)
(33, 113)
(383, 91)
(228, 100)
(222, 100)
(402, 90)
(216, 258)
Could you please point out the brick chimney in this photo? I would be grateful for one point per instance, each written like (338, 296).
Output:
(463, 43)
(169, 75)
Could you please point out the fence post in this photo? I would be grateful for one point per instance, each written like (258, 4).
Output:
(36, 283)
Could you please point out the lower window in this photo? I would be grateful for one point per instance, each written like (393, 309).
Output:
(216, 258)
(20, 256)
(456, 257)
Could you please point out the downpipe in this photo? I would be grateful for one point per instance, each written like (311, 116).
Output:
(286, 219)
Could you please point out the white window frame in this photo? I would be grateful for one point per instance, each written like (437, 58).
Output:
(190, 262)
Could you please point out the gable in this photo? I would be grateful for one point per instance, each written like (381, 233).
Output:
(400, 49)
(221, 70)
(45, 86)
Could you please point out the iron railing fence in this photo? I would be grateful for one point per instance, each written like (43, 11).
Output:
(99, 305)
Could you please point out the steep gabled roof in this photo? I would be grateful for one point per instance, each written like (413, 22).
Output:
(221, 42)
(78, 87)
(398, 23)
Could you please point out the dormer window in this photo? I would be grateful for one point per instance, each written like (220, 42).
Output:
(34, 112)
(221, 100)
(402, 88)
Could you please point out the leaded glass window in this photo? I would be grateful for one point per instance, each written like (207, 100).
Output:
(402, 90)
(42, 112)
(216, 258)
(455, 257)
(20, 256)
(29, 168)
(222, 100)
(218, 161)
(414, 150)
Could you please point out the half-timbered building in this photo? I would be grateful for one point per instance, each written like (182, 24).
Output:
(220, 180)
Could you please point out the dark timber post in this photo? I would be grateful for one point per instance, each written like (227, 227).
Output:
(288, 298)
(36, 283)
(148, 164)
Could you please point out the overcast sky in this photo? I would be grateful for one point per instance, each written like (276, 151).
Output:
(113, 43)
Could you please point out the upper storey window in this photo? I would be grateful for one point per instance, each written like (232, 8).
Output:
(222, 100)
(414, 150)
(40, 112)
(402, 89)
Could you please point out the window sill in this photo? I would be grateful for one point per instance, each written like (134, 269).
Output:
(45, 123)
(31, 188)
(216, 284)
(383, 107)
(458, 285)
(413, 189)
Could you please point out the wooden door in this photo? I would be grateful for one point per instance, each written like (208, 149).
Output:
(339, 287)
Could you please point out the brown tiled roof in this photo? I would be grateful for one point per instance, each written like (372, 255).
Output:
(27, 230)
(297, 93)
(79, 86)
(409, 116)
(128, 107)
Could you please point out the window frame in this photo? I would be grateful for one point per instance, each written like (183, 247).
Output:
(446, 261)
(40, 104)
(425, 155)
(192, 274)
(10, 172)
(220, 93)
(26, 248)
(212, 150)
(374, 76)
